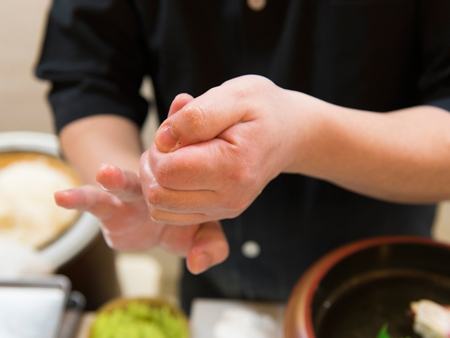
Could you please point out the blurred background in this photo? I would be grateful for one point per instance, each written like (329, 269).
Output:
(24, 108)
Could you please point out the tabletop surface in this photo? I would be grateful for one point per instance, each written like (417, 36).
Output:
(85, 324)
(205, 313)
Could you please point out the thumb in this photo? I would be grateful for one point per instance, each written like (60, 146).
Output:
(179, 102)
(200, 120)
(210, 247)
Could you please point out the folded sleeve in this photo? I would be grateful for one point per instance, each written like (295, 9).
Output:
(434, 38)
(93, 53)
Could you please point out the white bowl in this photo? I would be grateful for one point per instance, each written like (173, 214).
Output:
(86, 228)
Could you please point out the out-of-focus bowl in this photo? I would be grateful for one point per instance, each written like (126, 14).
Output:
(74, 239)
(356, 289)
(122, 303)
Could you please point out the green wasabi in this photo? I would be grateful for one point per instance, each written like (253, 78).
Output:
(138, 320)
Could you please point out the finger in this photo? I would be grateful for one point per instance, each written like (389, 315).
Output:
(138, 238)
(210, 247)
(198, 201)
(177, 239)
(200, 167)
(90, 199)
(180, 219)
(123, 184)
(179, 102)
(200, 120)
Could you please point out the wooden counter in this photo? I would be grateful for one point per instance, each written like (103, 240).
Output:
(85, 325)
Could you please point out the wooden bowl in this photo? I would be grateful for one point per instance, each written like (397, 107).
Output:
(354, 290)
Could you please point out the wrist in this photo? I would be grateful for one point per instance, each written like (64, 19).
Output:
(310, 121)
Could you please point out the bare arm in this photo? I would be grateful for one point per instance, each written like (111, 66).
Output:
(402, 156)
(91, 141)
(215, 155)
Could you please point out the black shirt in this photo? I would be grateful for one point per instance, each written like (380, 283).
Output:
(377, 55)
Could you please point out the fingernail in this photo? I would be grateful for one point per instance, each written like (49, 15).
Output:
(61, 193)
(103, 187)
(60, 198)
(165, 139)
(202, 263)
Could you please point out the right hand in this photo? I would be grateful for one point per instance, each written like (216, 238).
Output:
(127, 225)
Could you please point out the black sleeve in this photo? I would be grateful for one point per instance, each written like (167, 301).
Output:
(94, 55)
(434, 26)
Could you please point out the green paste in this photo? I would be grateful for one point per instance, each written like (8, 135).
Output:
(138, 320)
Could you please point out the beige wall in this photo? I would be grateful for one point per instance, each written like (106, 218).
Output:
(22, 102)
(22, 97)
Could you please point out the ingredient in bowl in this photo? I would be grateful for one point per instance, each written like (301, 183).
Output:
(383, 332)
(139, 320)
(28, 213)
(431, 320)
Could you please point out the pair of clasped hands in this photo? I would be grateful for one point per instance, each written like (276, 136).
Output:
(210, 159)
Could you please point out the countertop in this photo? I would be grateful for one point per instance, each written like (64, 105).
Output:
(205, 313)
(85, 324)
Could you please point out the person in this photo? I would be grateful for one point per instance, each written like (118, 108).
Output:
(299, 125)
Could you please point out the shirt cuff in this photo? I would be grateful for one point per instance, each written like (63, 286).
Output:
(68, 108)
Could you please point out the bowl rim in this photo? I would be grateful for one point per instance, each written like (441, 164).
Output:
(85, 228)
(298, 320)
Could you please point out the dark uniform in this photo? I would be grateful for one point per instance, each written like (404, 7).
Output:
(377, 55)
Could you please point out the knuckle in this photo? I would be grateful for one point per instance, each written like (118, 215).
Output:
(242, 92)
(163, 173)
(250, 85)
(237, 203)
(242, 176)
(154, 196)
(242, 181)
(195, 119)
(237, 206)
(162, 177)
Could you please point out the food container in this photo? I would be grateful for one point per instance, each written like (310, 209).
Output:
(39, 307)
(73, 240)
(356, 289)
(139, 312)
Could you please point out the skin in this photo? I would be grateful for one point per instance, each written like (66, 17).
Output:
(215, 154)
(212, 158)
(115, 197)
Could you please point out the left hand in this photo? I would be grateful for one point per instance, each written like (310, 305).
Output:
(214, 154)
(126, 225)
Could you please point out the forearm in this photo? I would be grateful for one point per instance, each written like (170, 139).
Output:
(402, 156)
(91, 141)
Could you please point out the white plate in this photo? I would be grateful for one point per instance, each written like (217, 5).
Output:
(205, 313)
(77, 237)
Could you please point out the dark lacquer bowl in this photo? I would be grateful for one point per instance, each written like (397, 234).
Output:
(356, 289)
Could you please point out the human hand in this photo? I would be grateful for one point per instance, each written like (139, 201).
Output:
(214, 154)
(126, 224)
